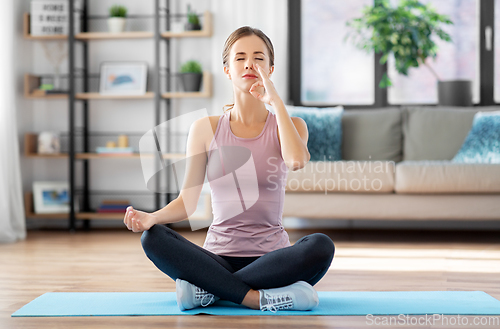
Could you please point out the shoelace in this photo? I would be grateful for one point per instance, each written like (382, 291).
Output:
(277, 302)
(204, 295)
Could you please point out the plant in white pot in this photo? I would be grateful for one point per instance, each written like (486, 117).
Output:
(117, 19)
(406, 32)
(190, 75)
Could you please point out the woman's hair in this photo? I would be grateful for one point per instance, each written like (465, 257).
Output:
(235, 36)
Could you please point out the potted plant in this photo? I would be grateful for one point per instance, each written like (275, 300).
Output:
(193, 23)
(116, 20)
(190, 75)
(405, 32)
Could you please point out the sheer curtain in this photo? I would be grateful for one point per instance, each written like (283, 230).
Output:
(12, 222)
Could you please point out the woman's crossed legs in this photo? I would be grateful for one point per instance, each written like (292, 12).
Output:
(307, 260)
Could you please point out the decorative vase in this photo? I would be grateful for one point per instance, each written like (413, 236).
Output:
(116, 24)
(455, 93)
(191, 81)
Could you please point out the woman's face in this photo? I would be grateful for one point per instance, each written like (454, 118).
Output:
(244, 53)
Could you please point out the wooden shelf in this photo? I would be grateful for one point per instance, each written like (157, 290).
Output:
(110, 36)
(206, 31)
(206, 92)
(135, 155)
(31, 146)
(29, 212)
(147, 95)
(102, 216)
(30, 150)
(84, 35)
(31, 84)
(29, 209)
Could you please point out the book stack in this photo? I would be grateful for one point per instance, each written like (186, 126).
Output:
(113, 206)
(114, 150)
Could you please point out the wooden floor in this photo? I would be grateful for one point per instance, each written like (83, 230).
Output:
(365, 260)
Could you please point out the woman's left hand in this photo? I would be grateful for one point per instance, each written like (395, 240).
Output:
(270, 94)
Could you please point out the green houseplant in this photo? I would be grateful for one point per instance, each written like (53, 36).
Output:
(404, 31)
(193, 23)
(191, 74)
(117, 18)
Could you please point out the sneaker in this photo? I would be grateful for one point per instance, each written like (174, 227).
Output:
(190, 296)
(299, 296)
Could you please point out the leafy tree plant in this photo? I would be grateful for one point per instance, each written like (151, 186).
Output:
(406, 31)
(191, 67)
(118, 11)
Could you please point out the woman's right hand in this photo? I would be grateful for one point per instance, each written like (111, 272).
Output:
(138, 221)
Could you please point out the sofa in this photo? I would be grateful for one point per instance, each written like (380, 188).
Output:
(396, 165)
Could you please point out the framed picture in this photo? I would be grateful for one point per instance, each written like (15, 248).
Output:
(49, 143)
(123, 78)
(51, 197)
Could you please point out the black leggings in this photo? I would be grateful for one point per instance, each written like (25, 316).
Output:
(231, 278)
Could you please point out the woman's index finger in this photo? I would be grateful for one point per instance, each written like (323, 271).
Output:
(261, 70)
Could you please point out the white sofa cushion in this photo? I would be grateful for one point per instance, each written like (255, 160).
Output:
(393, 206)
(343, 176)
(446, 177)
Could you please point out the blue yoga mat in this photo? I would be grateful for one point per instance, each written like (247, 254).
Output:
(331, 303)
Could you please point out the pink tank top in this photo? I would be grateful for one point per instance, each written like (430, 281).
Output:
(247, 177)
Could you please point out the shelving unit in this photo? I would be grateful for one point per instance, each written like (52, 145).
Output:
(32, 81)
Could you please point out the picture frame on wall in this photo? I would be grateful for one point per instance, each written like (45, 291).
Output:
(123, 78)
(51, 197)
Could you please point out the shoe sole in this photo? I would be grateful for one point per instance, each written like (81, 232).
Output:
(310, 288)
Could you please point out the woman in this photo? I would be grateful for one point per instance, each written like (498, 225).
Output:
(247, 257)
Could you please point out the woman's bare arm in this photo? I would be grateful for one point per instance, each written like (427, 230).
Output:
(185, 204)
(196, 160)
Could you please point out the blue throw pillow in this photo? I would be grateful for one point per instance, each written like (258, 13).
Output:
(325, 131)
(482, 144)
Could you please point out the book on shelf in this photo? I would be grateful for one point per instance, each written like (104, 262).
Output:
(113, 206)
(114, 150)
(115, 202)
(111, 211)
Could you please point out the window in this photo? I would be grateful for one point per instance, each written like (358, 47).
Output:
(326, 71)
(333, 72)
(456, 60)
